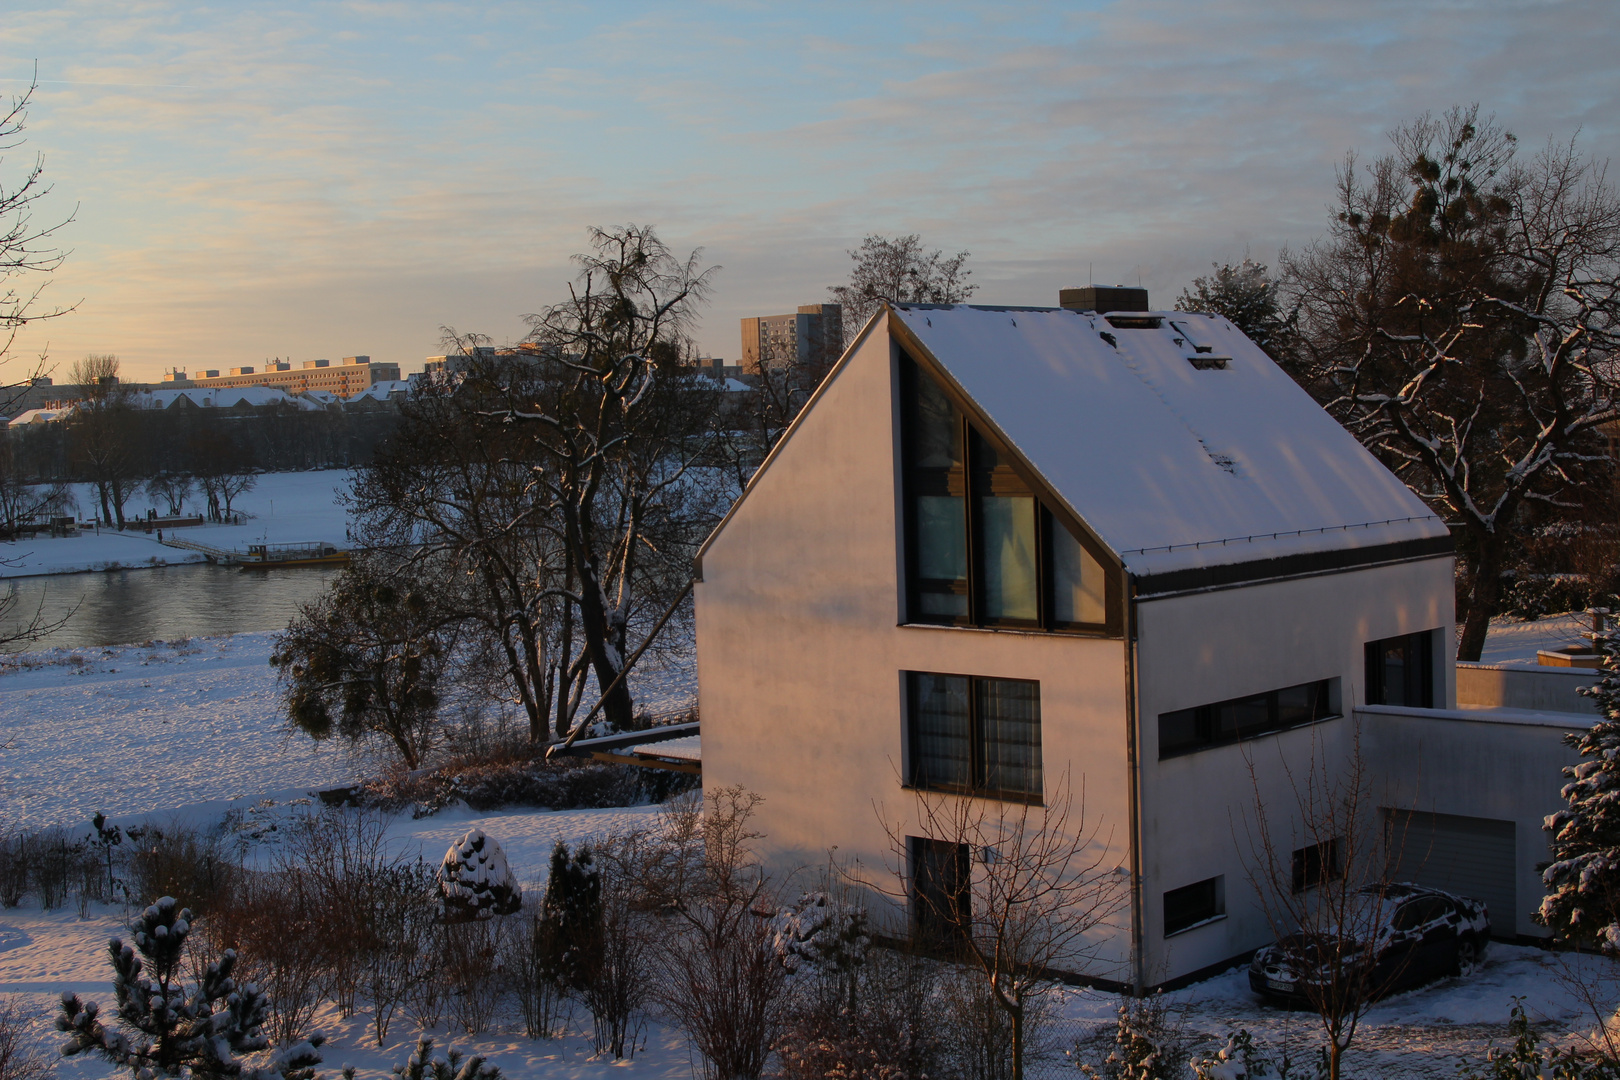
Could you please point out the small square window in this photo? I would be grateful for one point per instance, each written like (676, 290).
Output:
(1315, 864)
(1193, 905)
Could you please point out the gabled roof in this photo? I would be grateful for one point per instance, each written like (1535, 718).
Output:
(1172, 465)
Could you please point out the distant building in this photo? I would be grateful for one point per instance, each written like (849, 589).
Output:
(354, 374)
(815, 334)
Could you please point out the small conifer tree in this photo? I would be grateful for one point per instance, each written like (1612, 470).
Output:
(1582, 905)
(165, 1028)
(423, 1066)
(572, 914)
(475, 881)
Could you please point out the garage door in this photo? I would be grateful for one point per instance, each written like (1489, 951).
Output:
(1464, 855)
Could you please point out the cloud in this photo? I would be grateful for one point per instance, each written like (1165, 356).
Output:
(315, 180)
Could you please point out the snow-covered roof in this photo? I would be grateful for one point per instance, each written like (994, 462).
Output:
(221, 397)
(686, 748)
(382, 391)
(1174, 466)
(41, 416)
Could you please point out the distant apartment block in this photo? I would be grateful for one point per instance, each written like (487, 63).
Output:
(815, 334)
(354, 374)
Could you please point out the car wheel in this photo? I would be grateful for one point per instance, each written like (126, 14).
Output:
(1470, 956)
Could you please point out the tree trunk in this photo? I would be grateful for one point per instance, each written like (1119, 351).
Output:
(1335, 1055)
(1484, 590)
(1016, 1014)
(118, 502)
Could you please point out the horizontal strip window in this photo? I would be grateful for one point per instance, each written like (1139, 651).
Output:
(1194, 905)
(1187, 731)
(974, 736)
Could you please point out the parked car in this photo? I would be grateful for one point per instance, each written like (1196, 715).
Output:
(1420, 934)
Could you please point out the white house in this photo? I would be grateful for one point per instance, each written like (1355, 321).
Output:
(1006, 547)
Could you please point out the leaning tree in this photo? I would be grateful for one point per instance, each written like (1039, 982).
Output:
(1459, 317)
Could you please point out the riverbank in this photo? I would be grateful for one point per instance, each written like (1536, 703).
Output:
(282, 508)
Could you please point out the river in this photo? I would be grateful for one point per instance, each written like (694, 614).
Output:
(160, 603)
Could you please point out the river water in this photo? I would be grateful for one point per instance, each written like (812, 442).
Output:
(165, 602)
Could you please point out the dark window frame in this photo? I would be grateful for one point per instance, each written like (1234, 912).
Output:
(1316, 864)
(1418, 670)
(1009, 476)
(977, 742)
(1195, 905)
(1203, 719)
(929, 926)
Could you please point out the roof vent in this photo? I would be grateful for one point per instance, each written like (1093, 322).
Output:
(1103, 298)
(1205, 362)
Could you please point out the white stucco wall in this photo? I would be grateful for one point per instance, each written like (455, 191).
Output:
(800, 657)
(1197, 808)
(1500, 764)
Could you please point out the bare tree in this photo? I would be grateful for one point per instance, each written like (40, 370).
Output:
(461, 486)
(1322, 884)
(1460, 318)
(724, 982)
(27, 256)
(899, 270)
(625, 431)
(1013, 890)
(101, 442)
(172, 489)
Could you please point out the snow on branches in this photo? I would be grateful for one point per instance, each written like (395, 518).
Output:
(475, 880)
(170, 1029)
(1582, 904)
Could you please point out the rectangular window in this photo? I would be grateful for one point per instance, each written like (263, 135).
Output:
(974, 736)
(982, 548)
(1400, 670)
(1316, 863)
(1193, 905)
(1203, 726)
(941, 889)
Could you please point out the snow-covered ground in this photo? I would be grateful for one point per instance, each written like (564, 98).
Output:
(1514, 641)
(138, 729)
(281, 508)
(1422, 1033)
(189, 727)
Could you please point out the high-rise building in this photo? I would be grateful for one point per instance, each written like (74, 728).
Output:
(354, 374)
(814, 334)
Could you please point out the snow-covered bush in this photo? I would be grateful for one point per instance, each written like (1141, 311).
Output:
(1148, 1042)
(475, 881)
(892, 1030)
(821, 936)
(1582, 904)
(171, 1029)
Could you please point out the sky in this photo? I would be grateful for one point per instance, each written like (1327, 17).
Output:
(319, 180)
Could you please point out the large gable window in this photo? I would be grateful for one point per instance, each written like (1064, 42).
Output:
(982, 548)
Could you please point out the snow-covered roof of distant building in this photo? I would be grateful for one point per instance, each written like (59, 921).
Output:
(220, 397)
(1174, 460)
(41, 416)
(381, 391)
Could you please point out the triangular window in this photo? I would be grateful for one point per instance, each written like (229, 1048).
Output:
(983, 547)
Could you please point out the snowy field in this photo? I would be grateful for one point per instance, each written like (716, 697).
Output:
(189, 727)
(1512, 641)
(140, 729)
(282, 508)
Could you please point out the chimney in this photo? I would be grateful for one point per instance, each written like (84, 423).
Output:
(1104, 298)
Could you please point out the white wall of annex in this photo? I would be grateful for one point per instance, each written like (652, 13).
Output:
(800, 657)
(1198, 809)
